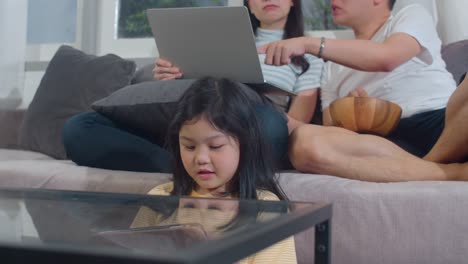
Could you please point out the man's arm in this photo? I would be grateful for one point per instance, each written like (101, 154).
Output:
(364, 55)
(367, 55)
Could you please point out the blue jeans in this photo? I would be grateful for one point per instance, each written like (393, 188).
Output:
(92, 140)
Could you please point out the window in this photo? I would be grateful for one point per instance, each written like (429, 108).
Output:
(318, 15)
(48, 28)
(132, 18)
(120, 26)
(130, 34)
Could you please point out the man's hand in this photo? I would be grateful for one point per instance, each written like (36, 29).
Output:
(164, 70)
(359, 92)
(281, 52)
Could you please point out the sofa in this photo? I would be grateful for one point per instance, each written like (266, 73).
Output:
(407, 222)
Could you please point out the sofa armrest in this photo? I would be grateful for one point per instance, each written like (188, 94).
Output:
(11, 123)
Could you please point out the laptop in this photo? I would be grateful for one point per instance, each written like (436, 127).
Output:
(211, 41)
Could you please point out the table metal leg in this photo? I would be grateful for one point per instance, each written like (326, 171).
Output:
(322, 243)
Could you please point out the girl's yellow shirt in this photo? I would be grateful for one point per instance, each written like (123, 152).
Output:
(283, 252)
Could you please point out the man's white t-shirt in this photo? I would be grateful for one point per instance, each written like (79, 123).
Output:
(419, 85)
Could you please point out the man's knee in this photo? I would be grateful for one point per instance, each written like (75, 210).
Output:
(307, 149)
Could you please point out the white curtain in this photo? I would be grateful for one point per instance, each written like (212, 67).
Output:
(430, 5)
(13, 25)
(450, 16)
(453, 22)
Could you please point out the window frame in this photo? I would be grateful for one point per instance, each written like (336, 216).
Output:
(107, 41)
(42, 53)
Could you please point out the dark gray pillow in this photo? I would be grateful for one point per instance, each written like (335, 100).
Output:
(148, 106)
(72, 82)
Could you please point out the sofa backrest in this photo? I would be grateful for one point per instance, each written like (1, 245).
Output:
(455, 56)
(11, 122)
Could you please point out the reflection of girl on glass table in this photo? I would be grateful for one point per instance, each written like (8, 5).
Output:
(219, 152)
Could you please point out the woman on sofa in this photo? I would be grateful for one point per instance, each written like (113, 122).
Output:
(394, 57)
(91, 139)
(272, 21)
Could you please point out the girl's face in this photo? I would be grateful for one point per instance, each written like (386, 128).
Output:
(272, 14)
(210, 156)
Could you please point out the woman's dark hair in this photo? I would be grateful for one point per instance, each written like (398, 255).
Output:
(391, 4)
(230, 108)
(294, 28)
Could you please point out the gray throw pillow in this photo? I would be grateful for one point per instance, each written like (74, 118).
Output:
(148, 106)
(72, 82)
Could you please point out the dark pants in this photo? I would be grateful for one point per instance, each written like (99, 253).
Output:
(91, 139)
(418, 134)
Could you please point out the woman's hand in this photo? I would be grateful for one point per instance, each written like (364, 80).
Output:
(281, 52)
(164, 70)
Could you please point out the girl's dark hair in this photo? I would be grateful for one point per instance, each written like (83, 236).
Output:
(294, 28)
(391, 4)
(230, 108)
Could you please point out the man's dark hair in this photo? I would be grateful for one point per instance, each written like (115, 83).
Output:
(391, 4)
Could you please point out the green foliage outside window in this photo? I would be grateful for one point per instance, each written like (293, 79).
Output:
(132, 18)
(133, 23)
(318, 15)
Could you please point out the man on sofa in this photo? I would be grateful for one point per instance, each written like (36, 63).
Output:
(397, 58)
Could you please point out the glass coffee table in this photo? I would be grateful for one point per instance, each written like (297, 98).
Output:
(86, 227)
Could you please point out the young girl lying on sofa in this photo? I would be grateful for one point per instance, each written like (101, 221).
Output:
(219, 151)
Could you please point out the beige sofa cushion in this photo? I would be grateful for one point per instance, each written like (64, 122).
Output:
(66, 175)
(11, 154)
(386, 223)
